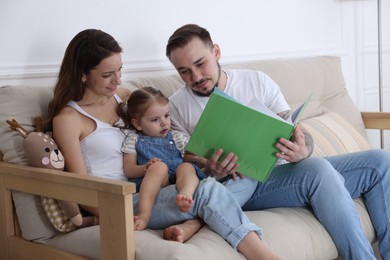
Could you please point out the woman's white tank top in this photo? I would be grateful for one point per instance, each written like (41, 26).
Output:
(102, 148)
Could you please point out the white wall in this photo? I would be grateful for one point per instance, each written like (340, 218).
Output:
(34, 35)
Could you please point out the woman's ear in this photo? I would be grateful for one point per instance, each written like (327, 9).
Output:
(83, 78)
(136, 124)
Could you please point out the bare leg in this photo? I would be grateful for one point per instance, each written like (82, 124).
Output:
(186, 183)
(155, 177)
(253, 248)
(183, 232)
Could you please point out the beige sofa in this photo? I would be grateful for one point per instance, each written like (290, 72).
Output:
(293, 233)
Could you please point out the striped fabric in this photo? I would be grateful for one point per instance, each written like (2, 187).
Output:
(333, 135)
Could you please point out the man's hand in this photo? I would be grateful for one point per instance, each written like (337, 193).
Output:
(299, 148)
(220, 169)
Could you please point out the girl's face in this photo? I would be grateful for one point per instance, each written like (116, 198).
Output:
(156, 121)
(106, 76)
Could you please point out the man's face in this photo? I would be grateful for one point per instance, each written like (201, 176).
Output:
(197, 65)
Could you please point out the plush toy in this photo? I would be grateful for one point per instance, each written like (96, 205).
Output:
(41, 151)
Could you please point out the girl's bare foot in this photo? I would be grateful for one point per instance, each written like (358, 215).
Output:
(183, 232)
(140, 222)
(184, 202)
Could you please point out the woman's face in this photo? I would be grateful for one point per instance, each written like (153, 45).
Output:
(106, 76)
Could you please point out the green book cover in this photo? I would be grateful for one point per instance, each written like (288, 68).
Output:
(247, 132)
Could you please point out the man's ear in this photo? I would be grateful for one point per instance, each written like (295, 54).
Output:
(217, 51)
(136, 124)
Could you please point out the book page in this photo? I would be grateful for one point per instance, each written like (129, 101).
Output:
(296, 114)
(253, 104)
(256, 105)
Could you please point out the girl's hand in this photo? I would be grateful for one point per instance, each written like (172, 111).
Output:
(151, 161)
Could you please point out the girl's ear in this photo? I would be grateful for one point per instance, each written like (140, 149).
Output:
(136, 124)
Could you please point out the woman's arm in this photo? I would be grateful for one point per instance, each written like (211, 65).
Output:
(67, 131)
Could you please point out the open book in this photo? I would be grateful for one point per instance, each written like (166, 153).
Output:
(250, 132)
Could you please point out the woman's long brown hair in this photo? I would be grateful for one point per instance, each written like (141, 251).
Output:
(84, 52)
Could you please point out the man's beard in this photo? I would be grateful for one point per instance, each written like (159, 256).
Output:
(208, 93)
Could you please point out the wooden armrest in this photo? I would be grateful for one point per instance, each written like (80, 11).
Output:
(376, 120)
(113, 198)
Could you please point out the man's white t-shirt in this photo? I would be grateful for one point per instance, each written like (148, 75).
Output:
(245, 86)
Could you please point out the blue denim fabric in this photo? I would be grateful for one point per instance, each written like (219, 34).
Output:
(328, 186)
(163, 148)
(212, 202)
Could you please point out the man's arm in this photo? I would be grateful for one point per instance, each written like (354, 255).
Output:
(285, 114)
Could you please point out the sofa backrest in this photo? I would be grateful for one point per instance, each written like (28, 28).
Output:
(297, 78)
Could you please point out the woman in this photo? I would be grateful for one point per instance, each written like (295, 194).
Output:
(84, 121)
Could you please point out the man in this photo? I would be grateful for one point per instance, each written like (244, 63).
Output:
(326, 184)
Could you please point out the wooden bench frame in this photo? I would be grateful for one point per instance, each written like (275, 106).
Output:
(113, 198)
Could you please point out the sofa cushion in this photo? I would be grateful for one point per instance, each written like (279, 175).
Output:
(167, 84)
(321, 75)
(281, 226)
(83, 242)
(22, 103)
(333, 135)
(34, 223)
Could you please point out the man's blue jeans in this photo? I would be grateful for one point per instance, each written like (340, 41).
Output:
(325, 184)
(328, 186)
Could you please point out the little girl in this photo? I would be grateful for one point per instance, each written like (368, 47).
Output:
(153, 154)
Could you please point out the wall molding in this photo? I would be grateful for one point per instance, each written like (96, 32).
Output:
(134, 69)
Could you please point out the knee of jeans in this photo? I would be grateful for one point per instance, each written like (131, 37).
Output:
(207, 185)
(381, 161)
(322, 170)
(382, 157)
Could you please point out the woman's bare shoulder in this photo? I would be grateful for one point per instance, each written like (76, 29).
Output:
(67, 115)
(124, 93)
